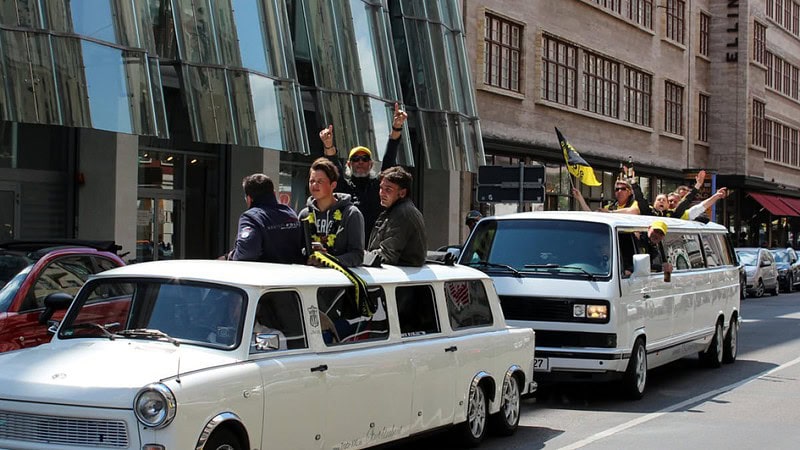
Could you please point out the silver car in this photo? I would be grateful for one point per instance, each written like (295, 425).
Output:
(762, 273)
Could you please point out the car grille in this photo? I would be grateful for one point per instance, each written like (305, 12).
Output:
(63, 430)
(545, 309)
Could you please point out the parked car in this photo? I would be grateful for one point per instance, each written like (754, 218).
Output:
(788, 265)
(33, 271)
(762, 274)
(241, 355)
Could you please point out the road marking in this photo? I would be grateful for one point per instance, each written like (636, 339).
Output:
(694, 400)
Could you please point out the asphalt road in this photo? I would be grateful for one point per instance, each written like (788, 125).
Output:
(752, 403)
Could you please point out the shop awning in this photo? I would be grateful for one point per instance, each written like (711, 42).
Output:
(775, 204)
(793, 203)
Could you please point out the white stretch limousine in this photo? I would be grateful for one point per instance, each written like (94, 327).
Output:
(237, 355)
(600, 307)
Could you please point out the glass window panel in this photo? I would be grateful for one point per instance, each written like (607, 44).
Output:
(242, 105)
(267, 116)
(157, 90)
(198, 43)
(141, 99)
(208, 100)
(422, 63)
(164, 30)
(457, 73)
(435, 139)
(44, 83)
(381, 125)
(24, 13)
(71, 82)
(249, 20)
(125, 20)
(107, 87)
(93, 18)
(365, 44)
(436, 45)
(279, 39)
(143, 19)
(226, 33)
(56, 16)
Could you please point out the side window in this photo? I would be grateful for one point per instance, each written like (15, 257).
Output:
(279, 314)
(416, 307)
(683, 251)
(62, 275)
(341, 319)
(627, 248)
(104, 264)
(712, 251)
(467, 304)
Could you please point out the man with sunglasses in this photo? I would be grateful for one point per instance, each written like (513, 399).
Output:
(359, 179)
(623, 193)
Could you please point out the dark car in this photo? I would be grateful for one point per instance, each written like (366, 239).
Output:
(34, 274)
(788, 265)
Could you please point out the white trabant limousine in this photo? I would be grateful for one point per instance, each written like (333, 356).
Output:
(240, 355)
(602, 310)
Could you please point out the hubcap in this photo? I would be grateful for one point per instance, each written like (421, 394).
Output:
(719, 342)
(641, 368)
(510, 400)
(734, 336)
(477, 412)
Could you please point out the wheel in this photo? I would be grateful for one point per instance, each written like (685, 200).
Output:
(731, 342)
(223, 439)
(776, 290)
(790, 284)
(473, 431)
(634, 381)
(759, 292)
(712, 357)
(505, 421)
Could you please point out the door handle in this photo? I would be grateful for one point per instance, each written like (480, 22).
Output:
(451, 349)
(320, 368)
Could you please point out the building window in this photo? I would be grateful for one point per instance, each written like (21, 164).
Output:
(785, 148)
(614, 5)
(502, 52)
(759, 42)
(705, 20)
(768, 59)
(796, 19)
(559, 71)
(673, 108)
(702, 118)
(768, 137)
(638, 89)
(795, 82)
(794, 156)
(641, 12)
(758, 123)
(777, 77)
(775, 151)
(601, 85)
(787, 78)
(675, 20)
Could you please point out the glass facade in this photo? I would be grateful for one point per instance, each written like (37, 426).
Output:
(251, 72)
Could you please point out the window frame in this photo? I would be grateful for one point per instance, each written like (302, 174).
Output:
(494, 40)
(676, 21)
(564, 65)
(673, 108)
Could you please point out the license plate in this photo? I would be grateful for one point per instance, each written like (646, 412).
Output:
(541, 364)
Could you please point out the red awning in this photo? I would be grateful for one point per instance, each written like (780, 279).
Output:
(793, 203)
(774, 204)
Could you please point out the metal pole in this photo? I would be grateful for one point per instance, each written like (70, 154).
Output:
(521, 183)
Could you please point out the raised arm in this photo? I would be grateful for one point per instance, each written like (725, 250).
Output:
(390, 155)
(645, 208)
(696, 210)
(581, 201)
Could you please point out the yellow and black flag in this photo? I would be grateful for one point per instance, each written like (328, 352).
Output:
(576, 164)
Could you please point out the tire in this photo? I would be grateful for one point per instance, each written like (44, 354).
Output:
(759, 292)
(223, 439)
(634, 382)
(712, 357)
(790, 284)
(731, 347)
(473, 431)
(505, 421)
(776, 290)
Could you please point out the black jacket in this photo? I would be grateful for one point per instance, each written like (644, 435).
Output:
(364, 190)
(399, 235)
(269, 232)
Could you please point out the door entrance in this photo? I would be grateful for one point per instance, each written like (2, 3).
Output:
(178, 204)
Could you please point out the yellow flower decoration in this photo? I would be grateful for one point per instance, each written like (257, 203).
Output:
(337, 215)
(331, 240)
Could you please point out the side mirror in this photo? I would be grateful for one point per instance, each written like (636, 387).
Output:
(267, 342)
(57, 301)
(765, 263)
(641, 265)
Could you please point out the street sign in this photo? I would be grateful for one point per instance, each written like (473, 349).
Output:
(499, 194)
(511, 184)
(506, 175)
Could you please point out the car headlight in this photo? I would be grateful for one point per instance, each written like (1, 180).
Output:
(155, 406)
(594, 312)
(782, 271)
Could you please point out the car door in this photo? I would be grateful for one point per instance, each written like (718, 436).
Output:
(769, 271)
(367, 377)
(294, 388)
(59, 274)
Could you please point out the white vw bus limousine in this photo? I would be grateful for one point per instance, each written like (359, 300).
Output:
(599, 310)
(237, 355)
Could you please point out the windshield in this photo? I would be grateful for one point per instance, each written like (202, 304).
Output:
(781, 256)
(748, 258)
(10, 288)
(205, 314)
(540, 246)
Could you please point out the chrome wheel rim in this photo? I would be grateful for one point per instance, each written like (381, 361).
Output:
(719, 344)
(734, 337)
(477, 412)
(510, 400)
(641, 368)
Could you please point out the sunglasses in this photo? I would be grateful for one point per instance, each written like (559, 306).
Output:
(616, 189)
(360, 158)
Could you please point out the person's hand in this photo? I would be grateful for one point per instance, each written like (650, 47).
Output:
(399, 118)
(666, 267)
(722, 192)
(576, 192)
(701, 176)
(326, 136)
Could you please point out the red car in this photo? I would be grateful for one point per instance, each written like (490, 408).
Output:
(31, 272)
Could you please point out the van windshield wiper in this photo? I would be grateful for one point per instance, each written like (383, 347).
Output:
(501, 266)
(589, 275)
